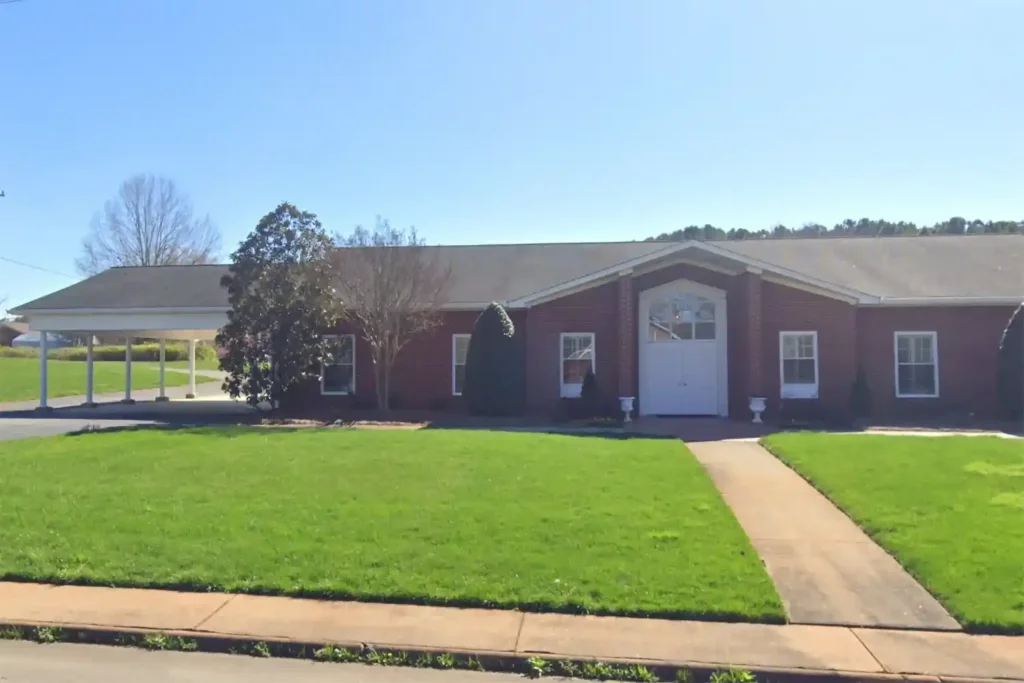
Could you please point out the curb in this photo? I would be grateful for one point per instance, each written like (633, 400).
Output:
(527, 663)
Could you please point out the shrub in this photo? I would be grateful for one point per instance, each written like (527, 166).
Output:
(140, 352)
(18, 352)
(590, 398)
(494, 383)
(1010, 381)
(860, 395)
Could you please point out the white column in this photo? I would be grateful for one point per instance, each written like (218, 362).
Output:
(163, 361)
(88, 372)
(42, 371)
(127, 371)
(191, 369)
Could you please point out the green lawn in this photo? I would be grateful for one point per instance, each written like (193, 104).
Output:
(950, 509)
(19, 378)
(436, 516)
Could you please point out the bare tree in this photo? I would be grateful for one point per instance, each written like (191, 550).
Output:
(393, 287)
(149, 223)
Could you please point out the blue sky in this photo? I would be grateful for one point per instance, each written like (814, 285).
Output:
(506, 120)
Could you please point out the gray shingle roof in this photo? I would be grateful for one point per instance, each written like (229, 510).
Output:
(138, 287)
(934, 266)
(891, 267)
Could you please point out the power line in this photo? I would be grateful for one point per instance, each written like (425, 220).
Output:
(29, 265)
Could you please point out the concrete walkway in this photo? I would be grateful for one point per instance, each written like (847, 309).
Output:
(806, 650)
(826, 569)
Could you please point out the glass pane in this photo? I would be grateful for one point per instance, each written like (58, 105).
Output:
(338, 378)
(704, 330)
(789, 346)
(683, 330)
(796, 371)
(923, 349)
(577, 347)
(903, 349)
(460, 378)
(917, 379)
(924, 379)
(680, 317)
(461, 349)
(573, 371)
(805, 345)
(339, 350)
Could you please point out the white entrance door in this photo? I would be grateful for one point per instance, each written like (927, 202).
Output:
(682, 350)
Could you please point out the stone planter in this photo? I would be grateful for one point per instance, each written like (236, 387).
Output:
(626, 405)
(758, 404)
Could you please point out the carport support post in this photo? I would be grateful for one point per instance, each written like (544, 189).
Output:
(89, 372)
(191, 369)
(128, 372)
(42, 372)
(163, 361)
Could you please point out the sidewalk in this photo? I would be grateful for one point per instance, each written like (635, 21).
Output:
(826, 569)
(775, 650)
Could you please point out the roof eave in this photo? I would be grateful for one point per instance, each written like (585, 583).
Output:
(910, 301)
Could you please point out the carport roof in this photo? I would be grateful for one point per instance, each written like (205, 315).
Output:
(886, 268)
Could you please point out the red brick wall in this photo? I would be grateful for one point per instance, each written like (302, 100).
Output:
(967, 338)
(968, 343)
(785, 309)
(422, 375)
(592, 310)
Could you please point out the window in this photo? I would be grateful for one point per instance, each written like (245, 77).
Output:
(338, 371)
(577, 358)
(460, 347)
(682, 317)
(917, 365)
(798, 364)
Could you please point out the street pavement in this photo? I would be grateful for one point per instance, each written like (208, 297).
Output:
(26, 662)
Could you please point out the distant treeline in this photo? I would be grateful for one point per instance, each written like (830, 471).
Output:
(865, 227)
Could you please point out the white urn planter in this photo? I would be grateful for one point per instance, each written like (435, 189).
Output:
(626, 404)
(757, 406)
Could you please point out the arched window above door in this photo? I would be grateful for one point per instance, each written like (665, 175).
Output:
(680, 317)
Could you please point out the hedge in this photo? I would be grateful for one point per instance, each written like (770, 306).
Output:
(140, 352)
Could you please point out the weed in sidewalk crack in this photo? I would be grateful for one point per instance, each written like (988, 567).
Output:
(49, 634)
(537, 667)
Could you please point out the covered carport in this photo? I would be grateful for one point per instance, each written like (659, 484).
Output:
(176, 303)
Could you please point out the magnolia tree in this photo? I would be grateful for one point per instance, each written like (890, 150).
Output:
(394, 288)
(282, 299)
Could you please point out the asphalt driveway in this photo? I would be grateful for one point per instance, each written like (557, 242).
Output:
(26, 427)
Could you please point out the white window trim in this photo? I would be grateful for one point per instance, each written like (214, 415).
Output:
(455, 338)
(896, 361)
(797, 390)
(574, 390)
(324, 392)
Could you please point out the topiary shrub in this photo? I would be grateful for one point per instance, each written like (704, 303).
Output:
(590, 397)
(494, 365)
(1010, 380)
(860, 395)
